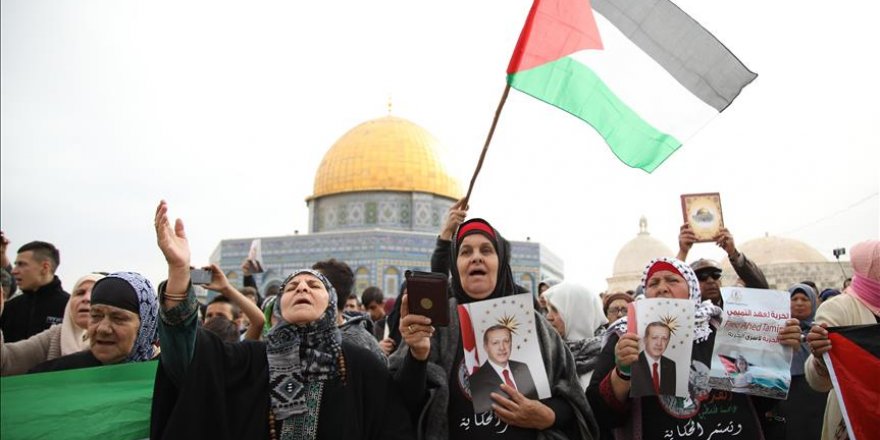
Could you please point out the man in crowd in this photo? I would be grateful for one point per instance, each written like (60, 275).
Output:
(709, 271)
(374, 304)
(222, 307)
(43, 300)
(352, 305)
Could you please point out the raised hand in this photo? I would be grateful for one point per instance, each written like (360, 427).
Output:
(416, 331)
(454, 217)
(724, 240)
(219, 282)
(172, 241)
(686, 240)
(175, 248)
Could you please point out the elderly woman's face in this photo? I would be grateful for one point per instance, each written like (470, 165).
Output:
(112, 332)
(801, 308)
(80, 301)
(667, 284)
(556, 320)
(616, 309)
(477, 266)
(304, 299)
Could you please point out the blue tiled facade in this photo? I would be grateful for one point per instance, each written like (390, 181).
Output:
(378, 257)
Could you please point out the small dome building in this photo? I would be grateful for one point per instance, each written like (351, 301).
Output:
(786, 261)
(632, 258)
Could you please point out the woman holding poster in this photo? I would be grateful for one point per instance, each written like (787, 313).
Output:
(704, 413)
(430, 366)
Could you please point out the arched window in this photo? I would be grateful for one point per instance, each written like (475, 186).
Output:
(392, 282)
(361, 280)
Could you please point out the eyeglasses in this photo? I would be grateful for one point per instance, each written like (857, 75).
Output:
(617, 311)
(706, 275)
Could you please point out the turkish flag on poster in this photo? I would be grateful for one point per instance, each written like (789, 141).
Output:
(468, 339)
(854, 361)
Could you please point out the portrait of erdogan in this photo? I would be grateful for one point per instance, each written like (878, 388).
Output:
(499, 369)
(654, 373)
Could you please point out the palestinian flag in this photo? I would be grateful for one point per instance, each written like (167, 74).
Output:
(643, 73)
(854, 364)
(110, 402)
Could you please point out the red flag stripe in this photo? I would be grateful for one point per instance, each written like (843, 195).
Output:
(554, 29)
(856, 370)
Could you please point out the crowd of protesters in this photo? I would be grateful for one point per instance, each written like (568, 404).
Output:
(314, 359)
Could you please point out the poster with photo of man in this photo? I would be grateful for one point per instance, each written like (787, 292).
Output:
(665, 328)
(500, 347)
(747, 357)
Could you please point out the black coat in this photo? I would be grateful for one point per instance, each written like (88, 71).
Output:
(225, 395)
(486, 380)
(33, 311)
(642, 378)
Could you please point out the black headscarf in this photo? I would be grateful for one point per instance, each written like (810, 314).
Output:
(504, 281)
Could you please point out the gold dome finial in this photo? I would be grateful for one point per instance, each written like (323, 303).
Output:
(643, 225)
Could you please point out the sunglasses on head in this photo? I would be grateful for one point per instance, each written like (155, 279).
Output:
(706, 275)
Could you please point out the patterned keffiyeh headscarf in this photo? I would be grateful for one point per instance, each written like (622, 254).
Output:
(704, 311)
(148, 311)
(302, 357)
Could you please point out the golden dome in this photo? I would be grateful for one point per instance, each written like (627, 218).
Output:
(384, 154)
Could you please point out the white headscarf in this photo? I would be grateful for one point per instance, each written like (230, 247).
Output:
(581, 309)
(73, 338)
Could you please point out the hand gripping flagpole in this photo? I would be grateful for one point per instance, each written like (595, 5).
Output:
(486, 145)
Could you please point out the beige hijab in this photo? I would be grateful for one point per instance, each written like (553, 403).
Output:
(73, 338)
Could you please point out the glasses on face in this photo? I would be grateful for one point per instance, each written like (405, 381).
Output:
(617, 311)
(706, 275)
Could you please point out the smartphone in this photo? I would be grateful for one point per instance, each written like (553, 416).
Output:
(427, 296)
(200, 276)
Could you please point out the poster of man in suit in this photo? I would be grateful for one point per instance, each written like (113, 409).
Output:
(666, 333)
(654, 373)
(498, 335)
(499, 369)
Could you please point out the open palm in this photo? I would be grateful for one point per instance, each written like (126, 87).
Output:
(172, 241)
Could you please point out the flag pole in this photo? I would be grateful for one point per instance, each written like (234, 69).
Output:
(486, 145)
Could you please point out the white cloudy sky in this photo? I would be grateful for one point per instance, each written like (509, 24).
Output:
(226, 108)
